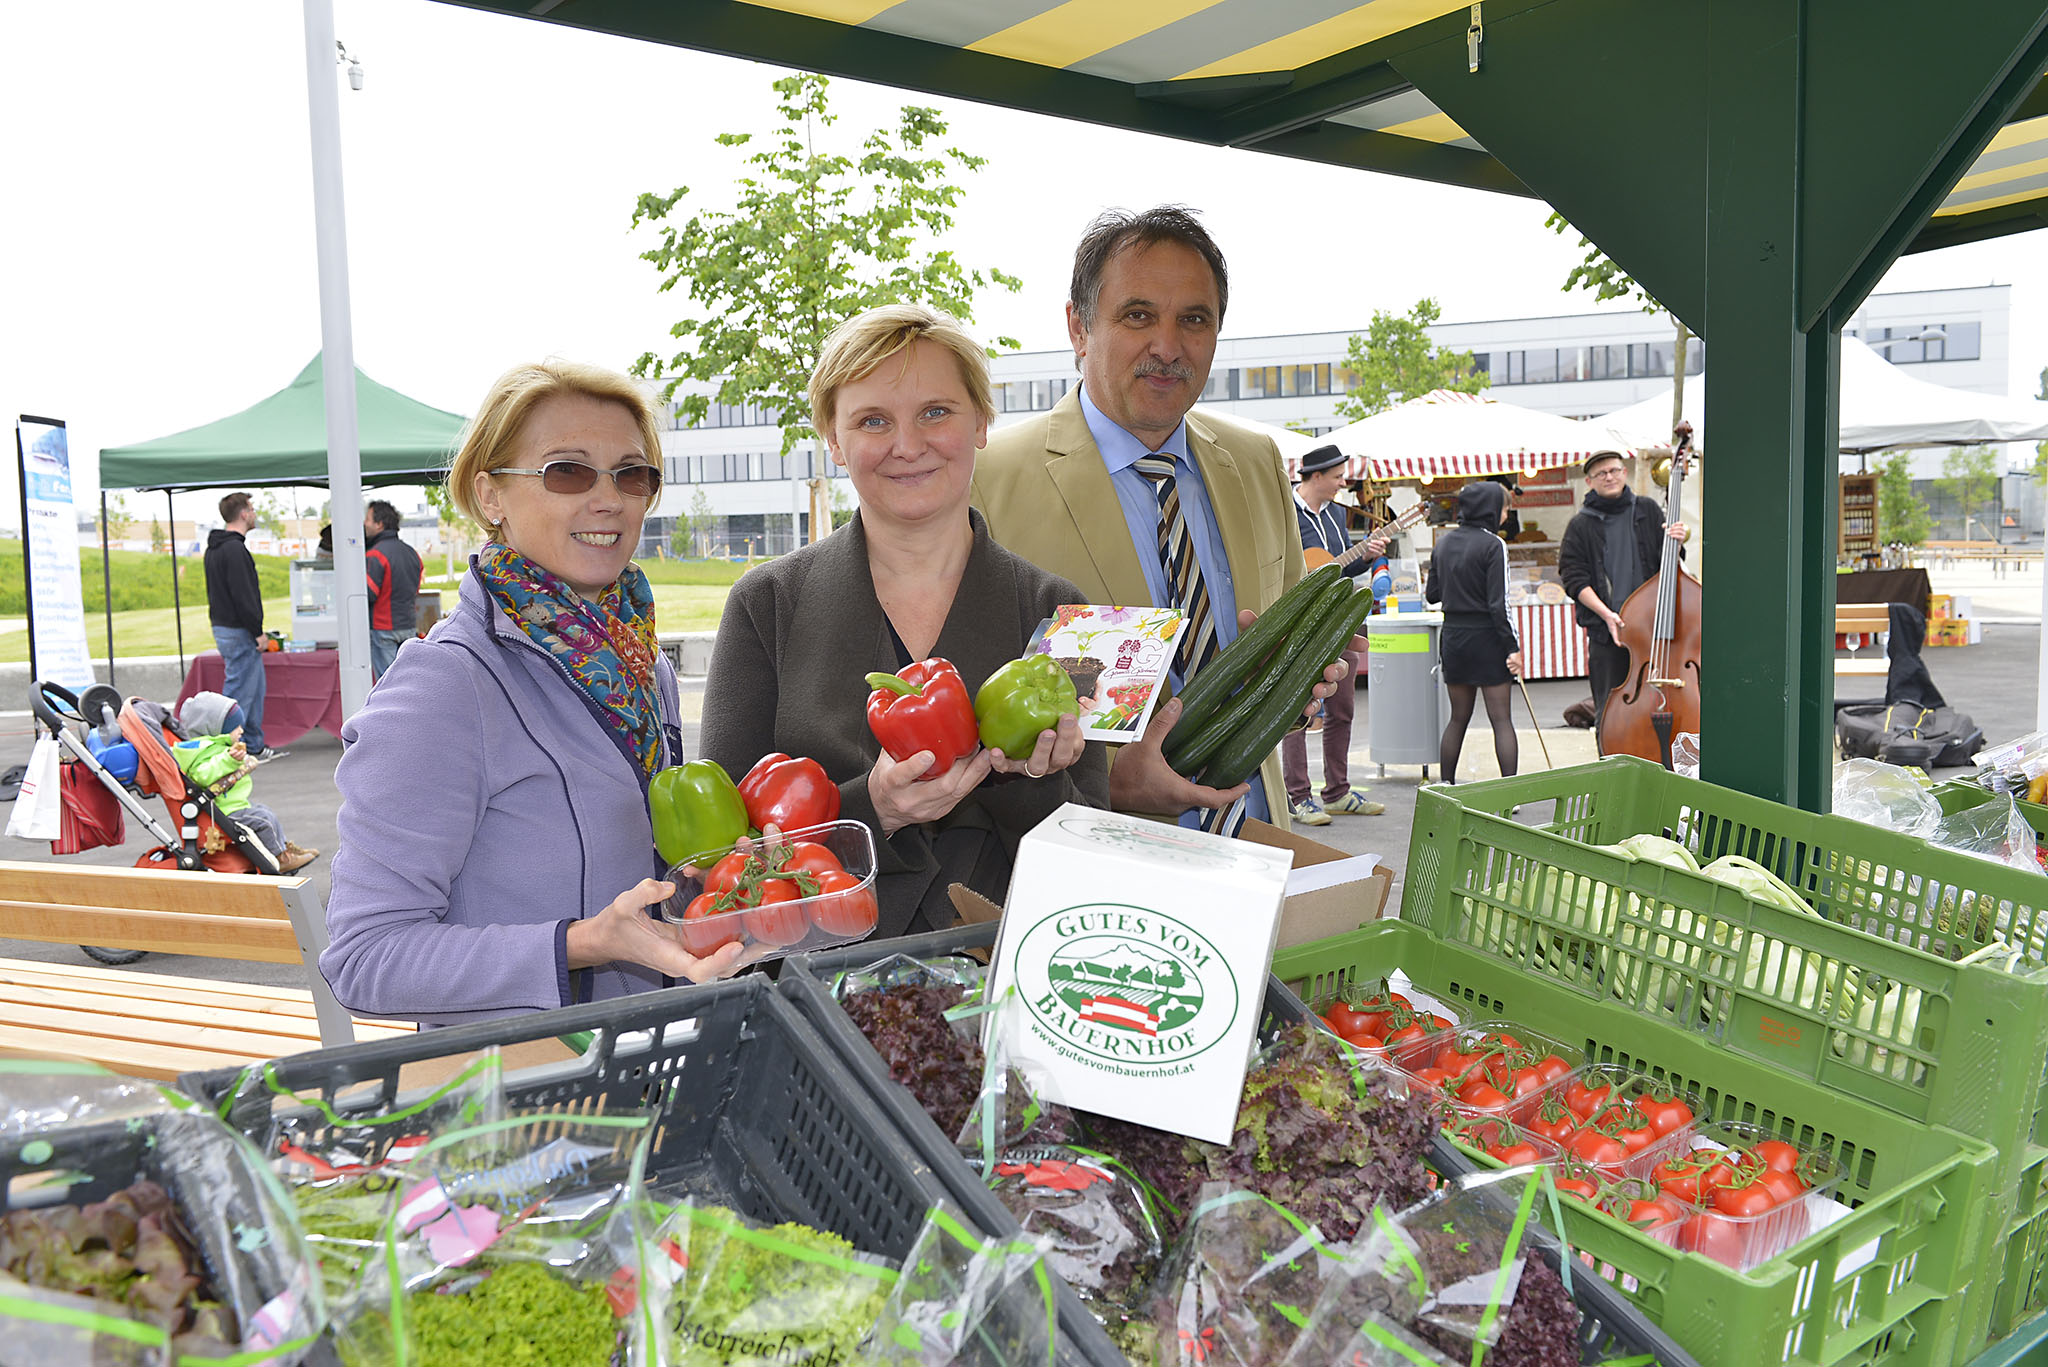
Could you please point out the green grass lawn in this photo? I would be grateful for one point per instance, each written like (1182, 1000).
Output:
(689, 595)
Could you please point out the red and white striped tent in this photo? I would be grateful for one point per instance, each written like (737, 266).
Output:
(1448, 435)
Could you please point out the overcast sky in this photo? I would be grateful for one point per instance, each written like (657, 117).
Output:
(157, 237)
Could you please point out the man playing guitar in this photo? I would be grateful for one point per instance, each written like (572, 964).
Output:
(1323, 539)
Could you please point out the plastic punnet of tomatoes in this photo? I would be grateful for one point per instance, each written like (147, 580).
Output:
(1495, 1138)
(1613, 1113)
(1750, 1194)
(1379, 1021)
(1517, 1062)
(792, 893)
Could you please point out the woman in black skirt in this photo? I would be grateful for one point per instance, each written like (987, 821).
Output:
(1469, 576)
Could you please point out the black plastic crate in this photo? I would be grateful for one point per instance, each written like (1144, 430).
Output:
(1610, 1328)
(751, 1108)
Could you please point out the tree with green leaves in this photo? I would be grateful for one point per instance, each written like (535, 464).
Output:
(1600, 273)
(1902, 515)
(701, 522)
(1970, 476)
(816, 237)
(2041, 451)
(270, 514)
(157, 541)
(1394, 359)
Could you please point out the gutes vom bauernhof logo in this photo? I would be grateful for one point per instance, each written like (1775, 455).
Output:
(1126, 985)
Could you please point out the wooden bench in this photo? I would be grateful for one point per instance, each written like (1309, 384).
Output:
(1866, 619)
(153, 1025)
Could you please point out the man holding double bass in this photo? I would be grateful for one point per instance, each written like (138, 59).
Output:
(1323, 539)
(1611, 548)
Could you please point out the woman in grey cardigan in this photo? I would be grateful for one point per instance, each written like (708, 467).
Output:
(496, 850)
(901, 397)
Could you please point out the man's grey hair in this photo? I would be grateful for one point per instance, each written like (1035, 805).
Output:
(1116, 229)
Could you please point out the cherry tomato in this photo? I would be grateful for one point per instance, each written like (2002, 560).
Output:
(1601, 1150)
(1482, 1095)
(1748, 1200)
(1654, 1213)
(1432, 1077)
(1713, 1237)
(1584, 1099)
(701, 939)
(1681, 1176)
(843, 906)
(1553, 1121)
(1452, 1060)
(1528, 1082)
(1777, 1154)
(1372, 1044)
(1666, 1114)
(1552, 1068)
(1516, 1155)
(807, 856)
(1784, 1187)
(725, 875)
(1346, 1020)
(776, 918)
(1577, 1186)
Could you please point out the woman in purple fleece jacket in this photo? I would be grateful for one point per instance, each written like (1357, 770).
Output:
(496, 850)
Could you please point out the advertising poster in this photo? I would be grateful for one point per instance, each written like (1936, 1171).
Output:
(49, 534)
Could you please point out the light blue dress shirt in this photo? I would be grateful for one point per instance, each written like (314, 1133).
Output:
(1140, 499)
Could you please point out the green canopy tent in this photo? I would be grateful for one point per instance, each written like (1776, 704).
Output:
(281, 440)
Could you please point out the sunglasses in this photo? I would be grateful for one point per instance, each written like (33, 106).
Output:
(574, 477)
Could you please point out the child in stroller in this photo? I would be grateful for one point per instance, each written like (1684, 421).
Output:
(212, 756)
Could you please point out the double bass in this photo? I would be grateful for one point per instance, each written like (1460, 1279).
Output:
(1660, 629)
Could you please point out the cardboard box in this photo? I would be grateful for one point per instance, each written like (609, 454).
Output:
(1132, 964)
(1948, 632)
(1330, 901)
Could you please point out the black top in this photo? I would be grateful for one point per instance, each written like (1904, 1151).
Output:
(233, 598)
(1468, 574)
(1582, 559)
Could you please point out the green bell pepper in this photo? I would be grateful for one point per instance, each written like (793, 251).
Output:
(698, 813)
(1020, 700)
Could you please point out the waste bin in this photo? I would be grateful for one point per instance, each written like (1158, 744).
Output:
(1406, 704)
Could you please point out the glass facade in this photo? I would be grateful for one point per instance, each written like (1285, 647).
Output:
(1913, 343)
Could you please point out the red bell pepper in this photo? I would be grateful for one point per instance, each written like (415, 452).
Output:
(789, 794)
(926, 707)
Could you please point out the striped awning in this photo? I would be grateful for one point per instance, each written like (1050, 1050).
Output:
(1448, 435)
(1318, 79)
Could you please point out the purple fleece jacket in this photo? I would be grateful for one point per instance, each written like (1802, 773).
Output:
(484, 806)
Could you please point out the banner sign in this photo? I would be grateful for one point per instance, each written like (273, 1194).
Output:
(49, 536)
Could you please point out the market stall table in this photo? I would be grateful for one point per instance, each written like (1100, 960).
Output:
(302, 690)
(1553, 642)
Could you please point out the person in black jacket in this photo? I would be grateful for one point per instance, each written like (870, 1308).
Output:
(393, 571)
(1468, 574)
(1611, 548)
(234, 604)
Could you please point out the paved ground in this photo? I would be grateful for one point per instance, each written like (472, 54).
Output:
(1995, 682)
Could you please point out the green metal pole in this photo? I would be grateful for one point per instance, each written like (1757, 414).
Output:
(1766, 710)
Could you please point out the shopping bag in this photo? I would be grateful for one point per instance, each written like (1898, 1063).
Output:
(38, 809)
(92, 814)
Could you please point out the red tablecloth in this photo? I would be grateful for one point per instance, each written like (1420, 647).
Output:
(302, 690)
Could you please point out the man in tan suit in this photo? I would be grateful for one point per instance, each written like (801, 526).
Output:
(1064, 492)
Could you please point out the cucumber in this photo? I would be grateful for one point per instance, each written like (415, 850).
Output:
(1211, 687)
(1249, 701)
(1315, 647)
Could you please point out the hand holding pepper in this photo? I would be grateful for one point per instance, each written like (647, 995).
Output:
(923, 709)
(910, 792)
(1055, 749)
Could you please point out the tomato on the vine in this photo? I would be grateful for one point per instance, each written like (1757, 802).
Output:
(1516, 1154)
(699, 938)
(1784, 1187)
(807, 856)
(776, 918)
(1553, 1121)
(1714, 1237)
(1777, 1154)
(1584, 1099)
(727, 874)
(1346, 1020)
(1747, 1200)
(1551, 1068)
(1577, 1186)
(1482, 1095)
(1372, 1044)
(1665, 1112)
(843, 906)
(1601, 1150)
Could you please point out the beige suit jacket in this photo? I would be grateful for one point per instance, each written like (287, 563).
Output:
(1047, 496)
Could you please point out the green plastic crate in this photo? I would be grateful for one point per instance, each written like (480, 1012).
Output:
(1898, 911)
(1958, 795)
(1922, 1192)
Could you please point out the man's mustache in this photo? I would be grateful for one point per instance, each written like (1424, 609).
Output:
(1179, 370)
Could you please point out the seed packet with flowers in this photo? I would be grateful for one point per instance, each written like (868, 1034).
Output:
(1118, 658)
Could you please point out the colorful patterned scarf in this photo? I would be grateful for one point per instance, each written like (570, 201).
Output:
(608, 646)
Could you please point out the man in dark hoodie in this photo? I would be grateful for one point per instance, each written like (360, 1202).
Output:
(1611, 548)
(234, 604)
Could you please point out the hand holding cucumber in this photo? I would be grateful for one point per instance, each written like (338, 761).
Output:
(1140, 779)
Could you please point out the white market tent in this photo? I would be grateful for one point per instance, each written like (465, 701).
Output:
(1447, 435)
(1293, 445)
(1882, 407)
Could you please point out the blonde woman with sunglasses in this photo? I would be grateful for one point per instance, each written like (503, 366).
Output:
(497, 855)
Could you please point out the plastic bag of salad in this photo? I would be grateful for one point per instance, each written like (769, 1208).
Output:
(138, 1230)
(341, 1160)
(747, 1295)
(966, 1299)
(522, 1239)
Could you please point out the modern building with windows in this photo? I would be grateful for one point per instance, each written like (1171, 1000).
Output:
(1577, 365)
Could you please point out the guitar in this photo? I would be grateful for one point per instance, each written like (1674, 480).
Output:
(1316, 557)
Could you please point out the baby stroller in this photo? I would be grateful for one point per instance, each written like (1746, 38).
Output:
(201, 836)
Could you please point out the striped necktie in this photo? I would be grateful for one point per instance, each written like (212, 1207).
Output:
(1191, 596)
